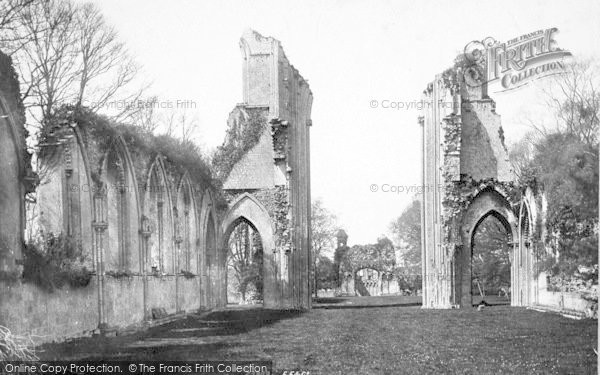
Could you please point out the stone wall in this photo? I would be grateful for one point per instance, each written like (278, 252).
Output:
(14, 169)
(67, 312)
(97, 188)
(276, 171)
(467, 175)
(147, 217)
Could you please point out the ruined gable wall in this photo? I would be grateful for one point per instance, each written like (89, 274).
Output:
(483, 152)
(277, 169)
(255, 169)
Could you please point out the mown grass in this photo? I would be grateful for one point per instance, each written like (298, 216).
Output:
(391, 336)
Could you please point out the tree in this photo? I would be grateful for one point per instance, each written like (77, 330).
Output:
(520, 155)
(491, 256)
(180, 124)
(567, 169)
(564, 165)
(245, 258)
(386, 254)
(575, 101)
(406, 231)
(326, 274)
(145, 117)
(322, 236)
(68, 55)
(10, 19)
(47, 60)
(102, 57)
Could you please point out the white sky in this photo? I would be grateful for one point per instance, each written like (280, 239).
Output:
(351, 52)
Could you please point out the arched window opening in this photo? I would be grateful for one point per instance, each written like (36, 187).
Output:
(244, 264)
(157, 214)
(211, 261)
(118, 212)
(490, 261)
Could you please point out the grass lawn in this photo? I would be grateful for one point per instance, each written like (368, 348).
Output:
(366, 335)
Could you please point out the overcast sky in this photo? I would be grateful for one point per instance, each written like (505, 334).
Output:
(351, 52)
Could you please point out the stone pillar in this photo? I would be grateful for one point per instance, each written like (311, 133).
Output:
(177, 239)
(145, 232)
(100, 225)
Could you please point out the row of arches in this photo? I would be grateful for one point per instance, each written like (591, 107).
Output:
(175, 239)
(131, 219)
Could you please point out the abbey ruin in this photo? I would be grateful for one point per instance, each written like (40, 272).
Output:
(139, 226)
(144, 230)
(466, 162)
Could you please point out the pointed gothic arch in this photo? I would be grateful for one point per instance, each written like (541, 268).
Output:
(122, 213)
(251, 209)
(488, 201)
(209, 237)
(158, 209)
(65, 193)
(188, 226)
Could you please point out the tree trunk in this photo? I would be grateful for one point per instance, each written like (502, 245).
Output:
(315, 280)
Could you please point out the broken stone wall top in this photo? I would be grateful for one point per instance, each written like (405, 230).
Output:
(457, 103)
(268, 77)
(270, 84)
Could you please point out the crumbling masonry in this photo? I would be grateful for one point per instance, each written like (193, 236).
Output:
(270, 185)
(465, 161)
(152, 229)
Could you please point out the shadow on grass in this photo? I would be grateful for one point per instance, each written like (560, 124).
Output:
(491, 301)
(349, 306)
(329, 300)
(187, 338)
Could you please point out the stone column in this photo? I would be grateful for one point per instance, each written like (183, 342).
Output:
(178, 240)
(146, 232)
(100, 225)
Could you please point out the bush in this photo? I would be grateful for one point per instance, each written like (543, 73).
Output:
(53, 261)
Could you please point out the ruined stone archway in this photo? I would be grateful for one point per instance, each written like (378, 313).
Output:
(466, 175)
(368, 281)
(187, 244)
(244, 263)
(186, 227)
(121, 209)
(248, 207)
(486, 203)
(159, 209)
(208, 238)
(64, 202)
(117, 218)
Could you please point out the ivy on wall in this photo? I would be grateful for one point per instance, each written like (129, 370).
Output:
(240, 138)
(281, 218)
(55, 260)
(458, 196)
(180, 155)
